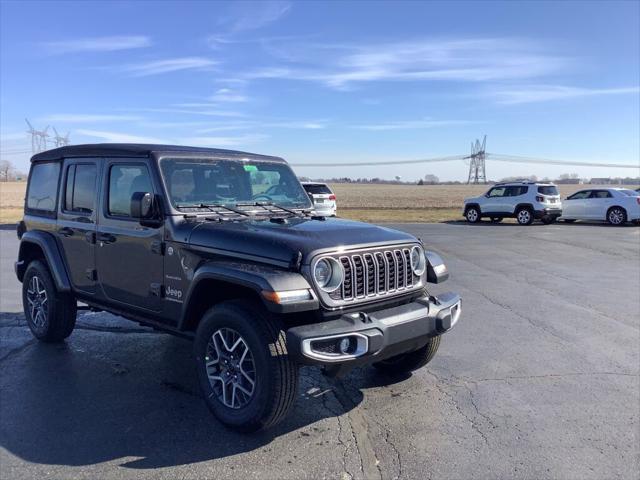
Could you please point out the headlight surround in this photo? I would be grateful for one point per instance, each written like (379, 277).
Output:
(418, 261)
(328, 274)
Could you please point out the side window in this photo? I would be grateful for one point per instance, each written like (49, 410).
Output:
(497, 192)
(124, 181)
(80, 190)
(601, 194)
(43, 187)
(580, 195)
(515, 191)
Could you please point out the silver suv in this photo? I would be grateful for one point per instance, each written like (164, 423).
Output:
(524, 201)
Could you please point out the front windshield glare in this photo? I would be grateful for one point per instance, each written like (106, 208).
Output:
(192, 182)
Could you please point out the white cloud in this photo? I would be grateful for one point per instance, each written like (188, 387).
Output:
(468, 60)
(118, 137)
(253, 15)
(98, 44)
(157, 67)
(545, 93)
(228, 95)
(224, 141)
(86, 118)
(411, 124)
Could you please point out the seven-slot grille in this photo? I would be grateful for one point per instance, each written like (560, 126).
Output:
(375, 273)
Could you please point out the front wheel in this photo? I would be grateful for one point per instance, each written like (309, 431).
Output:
(472, 215)
(247, 378)
(51, 315)
(617, 216)
(524, 216)
(408, 362)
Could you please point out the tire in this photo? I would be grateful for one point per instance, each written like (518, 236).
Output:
(408, 362)
(569, 220)
(472, 214)
(496, 219)
(51, 315)
(548, 220)
(259, 388)
(617, 216)
(524, 216)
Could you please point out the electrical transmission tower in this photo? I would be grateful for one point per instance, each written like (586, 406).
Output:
(59, 140)
(38, 138)
(477, 172)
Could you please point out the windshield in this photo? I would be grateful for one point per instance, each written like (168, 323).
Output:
(192, 182)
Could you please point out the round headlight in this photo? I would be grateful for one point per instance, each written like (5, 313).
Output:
(328, 274)
(418, 261)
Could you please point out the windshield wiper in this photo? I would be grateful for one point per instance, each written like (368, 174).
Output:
(275, 205)
(213, 206)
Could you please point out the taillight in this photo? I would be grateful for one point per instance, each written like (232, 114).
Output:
(332, 197)
(539, 198)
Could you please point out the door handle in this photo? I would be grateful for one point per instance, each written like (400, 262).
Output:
(106, 238)
(90, 237)
(65, 231)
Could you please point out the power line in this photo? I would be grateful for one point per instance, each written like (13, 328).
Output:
(546, 161)
(394, 162)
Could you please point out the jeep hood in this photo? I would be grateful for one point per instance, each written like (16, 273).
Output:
(281, 241)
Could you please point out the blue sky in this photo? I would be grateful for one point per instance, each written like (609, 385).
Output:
(332, 81)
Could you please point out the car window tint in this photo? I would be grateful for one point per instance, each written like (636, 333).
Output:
(601, 194)
(548, 190)
(80, 188)
(124, 181)
(317, 189)
(497, 192)
(43, 186)
(580, 195)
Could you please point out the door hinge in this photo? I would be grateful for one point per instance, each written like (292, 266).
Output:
(157, 290)
(92, 274)
(157, 247)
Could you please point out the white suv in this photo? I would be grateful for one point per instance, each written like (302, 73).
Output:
(324, 200)
(524, 201)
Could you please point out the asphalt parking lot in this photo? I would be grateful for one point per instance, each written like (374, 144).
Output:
(540, 379)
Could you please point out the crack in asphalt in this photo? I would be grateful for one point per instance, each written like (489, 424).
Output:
(369, 463)
(388, 441)
(549, 375)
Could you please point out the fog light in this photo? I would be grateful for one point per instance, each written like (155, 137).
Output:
(345, 345)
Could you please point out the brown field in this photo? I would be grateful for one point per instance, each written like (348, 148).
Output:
(371, 203)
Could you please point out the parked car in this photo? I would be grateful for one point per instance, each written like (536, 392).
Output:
(324, 200)
(187, 240)
(615, 205)
(524, 201)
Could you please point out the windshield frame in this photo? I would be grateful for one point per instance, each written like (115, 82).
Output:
(179, 208)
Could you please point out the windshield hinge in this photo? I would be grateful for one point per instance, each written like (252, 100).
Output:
(296, 262)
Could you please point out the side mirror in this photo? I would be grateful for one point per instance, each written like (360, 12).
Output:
(142, 205)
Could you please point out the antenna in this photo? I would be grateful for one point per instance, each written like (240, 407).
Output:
(477, 171)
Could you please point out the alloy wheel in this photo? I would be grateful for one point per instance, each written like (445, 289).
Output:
(472, 215)
(524, 216)
(230, 368)
(616, 216)
(38, 301)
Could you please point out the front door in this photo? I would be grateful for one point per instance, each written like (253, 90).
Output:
(496, 201)
(128, 255)
(77, 222)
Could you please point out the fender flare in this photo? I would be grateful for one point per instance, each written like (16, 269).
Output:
(47, 243)
(258, 278)
(523, 205)
(469, 205)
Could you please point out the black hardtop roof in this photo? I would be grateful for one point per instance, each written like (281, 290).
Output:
(141, 150)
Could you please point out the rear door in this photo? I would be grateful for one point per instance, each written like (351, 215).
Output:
(597, 204)
(129, 256)
(77, 221)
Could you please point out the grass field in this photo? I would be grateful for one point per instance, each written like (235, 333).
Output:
(370, 203)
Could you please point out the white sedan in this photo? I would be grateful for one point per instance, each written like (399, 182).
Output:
(615, 205)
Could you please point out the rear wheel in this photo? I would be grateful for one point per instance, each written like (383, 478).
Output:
(617, 216)
(408, 362)
(472, 215)
(247, 378)
(51, 315)
(548, 220)
(524, 216)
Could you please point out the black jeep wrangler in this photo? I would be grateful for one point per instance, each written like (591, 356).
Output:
(224, 248)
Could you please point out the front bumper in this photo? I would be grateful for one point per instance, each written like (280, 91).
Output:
(548, 212)
(376, 335)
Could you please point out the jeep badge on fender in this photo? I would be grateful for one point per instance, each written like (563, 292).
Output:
(224, 247)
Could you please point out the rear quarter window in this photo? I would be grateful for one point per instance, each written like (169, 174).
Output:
(42, 192)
